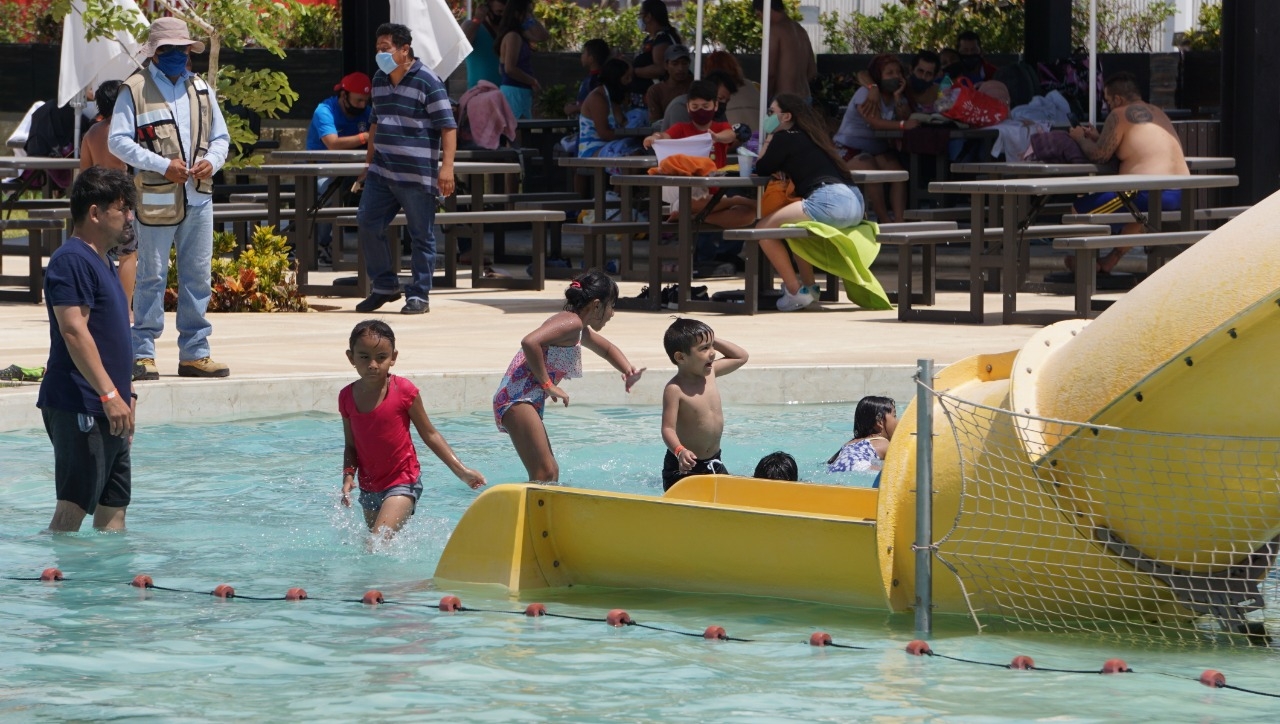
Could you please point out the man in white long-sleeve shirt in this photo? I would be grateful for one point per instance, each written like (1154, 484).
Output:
(167, 127)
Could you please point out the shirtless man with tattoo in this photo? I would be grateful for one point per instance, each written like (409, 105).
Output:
(1138, 135)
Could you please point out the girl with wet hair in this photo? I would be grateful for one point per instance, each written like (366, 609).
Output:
(548, 355)
(874, 420)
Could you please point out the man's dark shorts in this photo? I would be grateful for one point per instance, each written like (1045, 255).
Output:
(671, 469)
(90, 465)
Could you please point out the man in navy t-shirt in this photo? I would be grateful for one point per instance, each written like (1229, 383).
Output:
(86, 396)
(340, 123)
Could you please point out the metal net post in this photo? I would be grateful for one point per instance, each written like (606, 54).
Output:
(924, 496)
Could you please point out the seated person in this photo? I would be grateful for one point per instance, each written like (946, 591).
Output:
(777, 466)
(743, 104)
(594, 54)
(659, 95)
(922, 82)
(340, 122)
(605, 111)
(883, 106)
(730, 211)
(874, 420)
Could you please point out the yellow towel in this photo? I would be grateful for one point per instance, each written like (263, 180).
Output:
(848, 254)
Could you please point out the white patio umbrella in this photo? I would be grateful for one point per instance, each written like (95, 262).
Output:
(438, 40)
(89, 63)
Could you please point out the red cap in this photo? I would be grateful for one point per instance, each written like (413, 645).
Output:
(354, 83)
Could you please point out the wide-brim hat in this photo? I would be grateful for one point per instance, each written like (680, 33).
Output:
(169, 31)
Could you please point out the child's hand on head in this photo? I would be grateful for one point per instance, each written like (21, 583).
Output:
(632, 377)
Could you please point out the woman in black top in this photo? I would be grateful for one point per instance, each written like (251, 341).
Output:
(650, 64)
(799, 148)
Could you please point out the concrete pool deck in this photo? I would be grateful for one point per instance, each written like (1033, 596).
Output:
(285, 363)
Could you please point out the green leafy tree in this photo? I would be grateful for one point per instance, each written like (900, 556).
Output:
(1208, 32)
(233, 23)
(1120, 25)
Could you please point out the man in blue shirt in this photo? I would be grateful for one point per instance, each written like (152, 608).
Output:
(340, 123)
(86, 396)
(410, 162)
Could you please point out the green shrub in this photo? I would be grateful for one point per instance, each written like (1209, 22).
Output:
(260, 279)
(915, 24)
(33, 22)
(1208, 32)
(312, 26)
(551, 101)
(1120, 26)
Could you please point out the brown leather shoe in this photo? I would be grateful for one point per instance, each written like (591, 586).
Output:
(204, 367)
(144, 368)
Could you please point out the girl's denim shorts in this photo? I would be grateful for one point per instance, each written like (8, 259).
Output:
(838, 205)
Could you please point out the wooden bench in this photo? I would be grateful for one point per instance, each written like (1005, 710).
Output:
(260, 198)
(1086, 251)
(476, 220)
(759, 276)
(980, 261)
(963, 213)
(33, 281)
(1168, 217)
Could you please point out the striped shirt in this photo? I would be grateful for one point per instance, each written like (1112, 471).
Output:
(409, 117)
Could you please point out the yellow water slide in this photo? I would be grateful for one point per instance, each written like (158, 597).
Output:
(1154, 485)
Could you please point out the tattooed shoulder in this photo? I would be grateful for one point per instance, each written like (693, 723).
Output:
(1138, 114)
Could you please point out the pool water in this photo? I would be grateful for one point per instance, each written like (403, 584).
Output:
(254, 505)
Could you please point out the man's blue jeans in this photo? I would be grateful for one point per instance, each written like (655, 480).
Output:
(194, 240)
(379, 204)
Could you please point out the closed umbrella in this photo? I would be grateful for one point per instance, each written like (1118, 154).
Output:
(89, 63)
(438, 40)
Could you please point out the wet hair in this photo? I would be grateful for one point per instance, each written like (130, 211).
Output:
(722, 78)
(683, 334)
(703, 90)
(871, 411)
(806, 120)
(589, 287)
(657, 9)
(101, 187)
(777, 466)
(105, 97)
(926, 56)
(400, 34)
(598, 49)
(882, 61)
(512, 21)
(375, 328)
(723, 61)
(1125, 85)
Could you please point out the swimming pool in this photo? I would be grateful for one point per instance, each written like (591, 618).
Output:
(253, 504)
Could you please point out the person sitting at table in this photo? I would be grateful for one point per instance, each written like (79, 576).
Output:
(594, 54)
(1141, 136)
(970, 63)
(743, 106)
(515, 57)
(799, 147)
(882, 106)
(604, 112)
(730, 211)
(676, 83)
(678, 109)
(922, 82)
(339, 123)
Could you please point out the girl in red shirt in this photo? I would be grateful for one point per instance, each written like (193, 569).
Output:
(376, 412)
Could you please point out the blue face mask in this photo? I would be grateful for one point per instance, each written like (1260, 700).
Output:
(771, 123)
(385, 62)
(172, 63)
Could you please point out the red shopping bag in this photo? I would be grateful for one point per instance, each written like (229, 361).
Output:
(975, 109)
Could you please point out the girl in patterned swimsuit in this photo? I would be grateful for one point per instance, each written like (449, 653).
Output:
(874, 421)
(548, 355)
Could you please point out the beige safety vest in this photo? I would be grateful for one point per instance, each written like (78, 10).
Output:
(160, 201)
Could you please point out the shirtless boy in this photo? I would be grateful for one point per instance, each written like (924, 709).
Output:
(692, 420)
(94, 152)
(1138, 135)
(792, 63)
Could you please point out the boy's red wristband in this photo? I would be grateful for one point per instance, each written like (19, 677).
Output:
(349, 471)
(679, 449)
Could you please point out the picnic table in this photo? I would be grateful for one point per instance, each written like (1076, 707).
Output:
(543, 134)
(1011, 247)
(685, 230)
(1013, 169)
(940, 160)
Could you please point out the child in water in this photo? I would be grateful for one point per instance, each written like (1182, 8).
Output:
(874, 421)
(549, 355)
(376, 411)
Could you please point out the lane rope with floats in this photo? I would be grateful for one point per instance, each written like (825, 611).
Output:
(619, 618)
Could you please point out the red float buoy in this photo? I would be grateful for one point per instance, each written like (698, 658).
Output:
(372, 598)
(450, 603)
(715, 632)
(142, 580)
(295, 594)
(224, 591)
(51, 574)
(1115, 666)
(1213, 679)
(618, 617)
(819, 638)
(1022, 663)
(535, 609)
(919, 648)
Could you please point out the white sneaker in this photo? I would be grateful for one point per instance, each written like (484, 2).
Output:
(789, 302)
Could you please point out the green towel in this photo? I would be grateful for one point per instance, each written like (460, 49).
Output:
(848, 254)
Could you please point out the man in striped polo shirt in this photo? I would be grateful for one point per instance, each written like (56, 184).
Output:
(412, 138)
